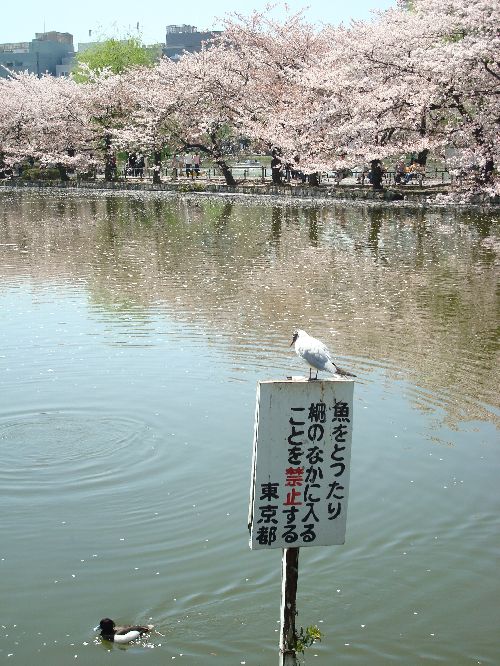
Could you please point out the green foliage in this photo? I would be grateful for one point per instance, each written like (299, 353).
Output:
(39, 173)
(408, 4)
(193, 187)
(86, 176)
(115, 54)
(306, 637)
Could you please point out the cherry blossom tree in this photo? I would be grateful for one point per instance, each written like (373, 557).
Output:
(465, 65)
(412, 81)
(278, 54)
(421, 77)
(147, 126)
(107, 101)
(408, 81)
(194, 103)
(206, 95)
(41, 119)
(16, 117)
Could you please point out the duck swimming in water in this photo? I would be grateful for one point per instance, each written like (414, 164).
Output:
(124, 634)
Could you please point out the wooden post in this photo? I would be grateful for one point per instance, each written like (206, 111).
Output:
(289, 580)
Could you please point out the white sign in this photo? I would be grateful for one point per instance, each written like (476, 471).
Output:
(301, 460)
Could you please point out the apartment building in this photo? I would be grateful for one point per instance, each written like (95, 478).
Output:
(50, 52)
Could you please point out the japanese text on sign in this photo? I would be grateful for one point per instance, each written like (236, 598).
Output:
(301, 462)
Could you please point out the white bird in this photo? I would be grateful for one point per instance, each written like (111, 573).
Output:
(316, 355)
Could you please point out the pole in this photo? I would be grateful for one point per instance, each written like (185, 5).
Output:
(289, 579)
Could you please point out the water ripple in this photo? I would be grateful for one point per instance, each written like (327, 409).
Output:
(68, 449)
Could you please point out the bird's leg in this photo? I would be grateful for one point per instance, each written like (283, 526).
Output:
(311, 378)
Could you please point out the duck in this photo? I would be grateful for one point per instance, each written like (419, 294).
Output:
(316, 355)
(121, 634)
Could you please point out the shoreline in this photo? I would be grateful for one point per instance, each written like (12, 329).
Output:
(345, 193)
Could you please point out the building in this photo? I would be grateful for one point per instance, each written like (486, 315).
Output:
(181, 38)
(50, 52)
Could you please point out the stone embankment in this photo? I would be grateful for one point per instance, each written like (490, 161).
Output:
(407, 193)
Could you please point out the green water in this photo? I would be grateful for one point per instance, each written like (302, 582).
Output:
(133, 333)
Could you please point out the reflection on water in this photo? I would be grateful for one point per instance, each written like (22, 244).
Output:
(404, 289)
(134, 329)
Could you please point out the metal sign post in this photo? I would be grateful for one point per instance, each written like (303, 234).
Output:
(300, 477)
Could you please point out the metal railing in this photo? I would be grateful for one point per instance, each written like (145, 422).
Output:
(262, 173)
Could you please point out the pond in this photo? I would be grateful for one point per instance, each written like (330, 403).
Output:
(134, 331)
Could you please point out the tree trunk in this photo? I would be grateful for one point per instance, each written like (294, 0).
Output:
(226, 172)
(488, 169)
(422, 157)
(109, 160)
(276, 176)
(217, 154)
(109, 168)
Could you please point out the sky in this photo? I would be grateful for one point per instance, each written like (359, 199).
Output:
(113, 18)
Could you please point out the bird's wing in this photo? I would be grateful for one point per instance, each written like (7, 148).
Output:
(316, 354)
(141, 628)
(126, 638)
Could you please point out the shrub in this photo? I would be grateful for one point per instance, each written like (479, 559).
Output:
(38, 173)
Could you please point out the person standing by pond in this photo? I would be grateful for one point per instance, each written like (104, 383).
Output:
(140, 165)
(196, 164)
(399, 171)
(276, 169)
(376, 174)
(188, 163)
(175, 165)
(130, 169)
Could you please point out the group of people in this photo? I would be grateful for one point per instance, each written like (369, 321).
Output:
(135, 165)
(190, 163)
(286, 170)
(403, 174)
